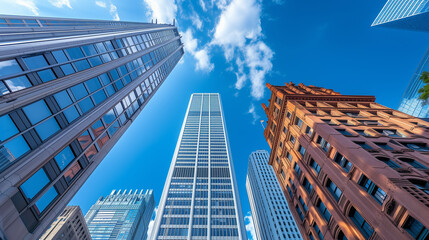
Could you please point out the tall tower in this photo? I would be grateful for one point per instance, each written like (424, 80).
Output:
(121, 215)
(350, 168)
(405, 14)
(69, 89)
(272, 218)
(200, 198)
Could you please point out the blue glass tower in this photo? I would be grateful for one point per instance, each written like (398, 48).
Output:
(405, 14)
(121, 215)
(410, 103)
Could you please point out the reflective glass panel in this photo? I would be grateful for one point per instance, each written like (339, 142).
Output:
(35, 62)
(99, 97)
(46, 75)
(97, 128)
(75, 53)
(82, 65)
(3, 89)
(67, 69)
(47, 128)
(109, 117)
(9, 67)
(46, 199)
(7, 127)
(64, 158)
(71, 114)
(37, 111)
(18, 83)
(79, 91)
(84, 139)
(93, 84)
(95, 61)
(89, 50)
(35, 183)
(60, 56)
(63, 99)
(71, 173)
(86, 105)
(17, 147)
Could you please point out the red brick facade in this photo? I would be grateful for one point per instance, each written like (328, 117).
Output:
(350, 168)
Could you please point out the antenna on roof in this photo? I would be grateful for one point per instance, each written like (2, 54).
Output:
(262, 123)
(174, 22)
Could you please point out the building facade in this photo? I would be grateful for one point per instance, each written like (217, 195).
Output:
(350, 168)
(272, 218)
(121, 215)
(69, 89)
(70, 225)
(410, 102)
(200, 198)
(404, 14)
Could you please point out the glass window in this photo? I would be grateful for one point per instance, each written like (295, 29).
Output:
(95, 61)
(17, 147)
(35, 183)
(315, 166)
(119, 84)
(377, 193)
(71, 114)
(421, 184)
(18, 83)
(75, 53)
(91, 152)
(114, 74)
(37, 111)
(110, 90)
(108, 118)
(72, 172)
(384, 146)
(389, 162)
(89, 50)
(343, 162)
(36, 62)
(46, 75)
(99, 96)
(86, 104)
(47, 128)
(323, 144)
(97, 128)
(3, 89)
(67, 69)
(60, 56)
(336, 192)
(82, 65)
(93, 84)
(46, 200)
(113, 128)
(344, 132)
(324, 211)
(104, 79)
(101, 47)
(364, 145)
(8, 127)
(298, 122)
(413, 163)
(64, 157)
(63, 99)
(84, 139)
(416, 229)
(307, 185)
(360, 222)
(301, 150)
(79, 91)
(9, 67)
(103, 139)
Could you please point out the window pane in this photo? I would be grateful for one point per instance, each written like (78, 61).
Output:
(93, 84)
(17, 147)
(86, 104)
(63, 99)
(67, 69)
(46, 199)
(46, 75)
(97, 128)
(89, 50)
(109, 117)
(82, 65)
(3, 89)
(71, 114)
(113, 128)
(95, 61)
(18, 83)
(79, 91)
(105, 79)
(75, 53)
(35, 183)
(64, 158)
(36, 62)
(101, 47)
(47, 129)
(37, 111)
(91, 152)
(72, 172)
(9, 67)
(7, 127)
(60, 56)
(103, 139)
(99, 97)
(84, 139)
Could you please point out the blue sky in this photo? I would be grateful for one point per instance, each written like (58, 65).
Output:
(234, 47)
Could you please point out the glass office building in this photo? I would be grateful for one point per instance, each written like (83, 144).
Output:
(410, 102)
(121, 215)
(200, 198)
(69, 89)
(405, 14)
(272, 218)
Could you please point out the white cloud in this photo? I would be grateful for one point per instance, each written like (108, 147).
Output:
(152, 221)
(196, 21)
(61, 3)
(201, 56)
(101, 4)
(255, 116)
(114, 12)
(30, 4)
(162, 10)
(250, 228)
(203, 5)
(239, 33)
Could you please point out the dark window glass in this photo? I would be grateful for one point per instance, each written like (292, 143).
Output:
(35, 183)
(37, 111)
(97, 128)
(47, 128)
(363, 145)
(110, 90)
(318, 232)
(102, 140)
(67, 69)
(306, 184)
(9, 67)
(63, 99)
(84, 139)
(309, 131)
(413, 163)
(99, 97)
(343, 162)
(89, 50)
(297, 169)
(315, 166)
(301, 150)
(72, 172)
(119, 84)
(71, 114)
(417, 146)
(420, 184)
(289, 191)
(104, 79)
(389, 162)
(17, 147)
(86, 104)
(344, 132)
(377, 193)
(416, 229)
(91, 152)
(384, 146)
(79, 91)
(114, 74)
(93, 84)
(324, 211)
(336, 192)
(389, 132)
(341, 236)
(46, 75)
(82, 65)
(101, 47)
(113, 128)
(60, 56)
(64, 157)
(46, 200)
(75, 53)
(3, 89)
(95, 61)
(8, 127)
(360, 222)
(35, 62)
(304, 206)
(289, 156)
(299, 122)
(298, 210)
(323, 144)
(18, 83)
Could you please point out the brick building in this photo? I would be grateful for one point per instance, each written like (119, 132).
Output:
(350, 168)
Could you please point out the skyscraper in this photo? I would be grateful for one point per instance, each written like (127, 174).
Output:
(69, 89)
(405, 14)
(121, 215)
(200, 198)
(70, 225)
(350, 168)
(410, 102)
(272, 218)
